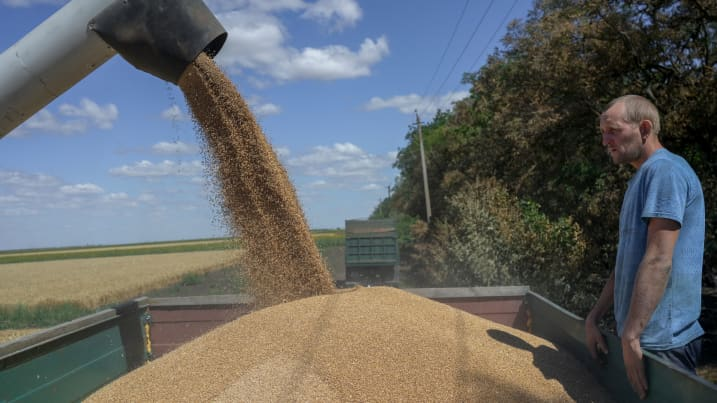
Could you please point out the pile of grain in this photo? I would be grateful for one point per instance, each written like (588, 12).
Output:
(369, 344)
(281, 260)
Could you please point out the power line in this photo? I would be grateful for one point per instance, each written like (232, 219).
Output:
(492, 37)
(505, 17)
(445, 50)
(463, 51)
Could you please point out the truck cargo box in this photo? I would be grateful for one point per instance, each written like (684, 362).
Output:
(70, 361)
(371, 252)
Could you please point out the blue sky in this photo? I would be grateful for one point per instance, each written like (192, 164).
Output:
(333, 83)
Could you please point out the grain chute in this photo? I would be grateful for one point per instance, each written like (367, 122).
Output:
(160, 37)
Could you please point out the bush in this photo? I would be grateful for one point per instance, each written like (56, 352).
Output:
(490, 238)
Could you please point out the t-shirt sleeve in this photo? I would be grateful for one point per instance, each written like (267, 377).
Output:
(665, 193)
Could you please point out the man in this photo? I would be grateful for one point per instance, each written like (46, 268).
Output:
(655, 287)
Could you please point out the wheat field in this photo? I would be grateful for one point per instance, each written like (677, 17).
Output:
(99, 281)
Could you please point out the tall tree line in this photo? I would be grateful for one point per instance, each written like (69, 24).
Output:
(527, 136)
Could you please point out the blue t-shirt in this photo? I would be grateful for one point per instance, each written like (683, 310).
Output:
(665, 186)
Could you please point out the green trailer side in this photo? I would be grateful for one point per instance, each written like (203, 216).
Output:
(666, 383)
(68, 362)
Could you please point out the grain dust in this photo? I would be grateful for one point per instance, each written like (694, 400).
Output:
(281, 260)
(375, 344)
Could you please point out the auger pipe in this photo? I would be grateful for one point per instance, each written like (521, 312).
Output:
(160, 37)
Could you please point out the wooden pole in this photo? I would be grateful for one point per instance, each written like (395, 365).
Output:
(423, 167)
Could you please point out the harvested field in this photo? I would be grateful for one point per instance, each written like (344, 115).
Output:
(363, 345)
(12, 334)
(133, 247)
(96, 282)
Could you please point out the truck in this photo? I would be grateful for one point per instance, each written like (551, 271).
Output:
(371, 252)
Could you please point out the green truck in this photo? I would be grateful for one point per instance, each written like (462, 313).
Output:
(371, 252)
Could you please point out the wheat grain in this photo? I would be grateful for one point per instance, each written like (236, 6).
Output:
(98, 281)
(369, 345)
(281, 260)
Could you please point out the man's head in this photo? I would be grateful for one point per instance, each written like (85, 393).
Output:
(629, 127)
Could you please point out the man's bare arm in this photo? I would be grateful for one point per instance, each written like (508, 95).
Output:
(650, 282)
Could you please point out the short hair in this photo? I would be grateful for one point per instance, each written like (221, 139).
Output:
(637, 109)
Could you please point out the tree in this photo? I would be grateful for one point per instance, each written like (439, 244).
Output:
(530, 121)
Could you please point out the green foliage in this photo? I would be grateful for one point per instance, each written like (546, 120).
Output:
(530, 122)
(45, 315)
(329, 242)
(489, 238)
(192, 279)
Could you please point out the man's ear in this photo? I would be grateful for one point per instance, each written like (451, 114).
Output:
(645, 128)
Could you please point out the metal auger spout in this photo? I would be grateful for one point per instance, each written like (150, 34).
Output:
(160, 37)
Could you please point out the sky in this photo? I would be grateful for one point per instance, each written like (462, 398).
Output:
(334, 84)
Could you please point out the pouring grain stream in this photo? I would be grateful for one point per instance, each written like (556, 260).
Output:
(280, 258)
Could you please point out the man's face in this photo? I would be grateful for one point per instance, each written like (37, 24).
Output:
(621, 139)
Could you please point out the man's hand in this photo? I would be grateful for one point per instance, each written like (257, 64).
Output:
(595, 341)
(634, 367)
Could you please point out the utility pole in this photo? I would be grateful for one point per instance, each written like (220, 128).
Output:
(423, 166)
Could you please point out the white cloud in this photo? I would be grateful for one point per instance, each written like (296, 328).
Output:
(318, 184)
(261, 108)
(340, 13)
(31, 194)
(331, 62)
(101, 116)
(25, 180)
(266, 109)
(344, 12)
(117, 196)
(18, 211)
(28, 3)
(147, 198)
(282, 151)
(77, 119)
(371, 186)
(82, 188)
(120, 199)
(174, 113)
(177, 147)
(259, 5)
(165, 168)
(25, 194)
(9, 199)
(46, 121)
(411, 103)
(257, 41)
(342, 160)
